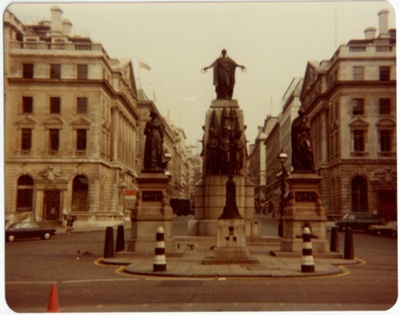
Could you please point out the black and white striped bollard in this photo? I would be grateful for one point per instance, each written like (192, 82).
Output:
(160, 263)
(307, 264)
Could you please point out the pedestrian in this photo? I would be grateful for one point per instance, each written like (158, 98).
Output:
(70, 224)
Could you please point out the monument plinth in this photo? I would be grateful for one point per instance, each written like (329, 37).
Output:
(231, 237)
(153, 210)
(304, 209)
(224, 121)
(231, 245)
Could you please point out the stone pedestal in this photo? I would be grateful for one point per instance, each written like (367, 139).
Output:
(210, 191)
(304, 208)
(153, 210)
(231, 244)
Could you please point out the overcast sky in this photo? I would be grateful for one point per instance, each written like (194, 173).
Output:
(274, 40)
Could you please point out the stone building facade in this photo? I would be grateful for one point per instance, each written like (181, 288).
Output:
(256, 164)
(73, 127)
(351, 100)
(273, 167)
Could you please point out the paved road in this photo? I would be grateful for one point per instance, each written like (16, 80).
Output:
(83, 286)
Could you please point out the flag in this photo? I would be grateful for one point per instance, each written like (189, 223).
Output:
(144, 66)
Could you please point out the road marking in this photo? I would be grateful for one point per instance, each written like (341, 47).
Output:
(98, 280)
(30, 282)
(71, 281)
(345, 271)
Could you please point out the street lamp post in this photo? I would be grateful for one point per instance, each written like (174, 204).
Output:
(282, 158)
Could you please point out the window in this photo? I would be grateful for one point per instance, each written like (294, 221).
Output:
(81, 139)
(80, 193)
(55, 105)
(359, 143)
(27, 71)
(384, 73)
(26, 139)
(24, 193)
(359, 194)
(358, 73)
(54, 139)
(82, 72)
(27, 104)
(55, 71)
(358, 106)
(81, 105)
(385, 137)
(384, 106)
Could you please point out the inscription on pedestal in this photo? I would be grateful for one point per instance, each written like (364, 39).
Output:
(152, 195)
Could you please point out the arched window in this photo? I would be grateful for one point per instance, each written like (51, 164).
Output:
(359, 194)
(24, 193)
(80, 193)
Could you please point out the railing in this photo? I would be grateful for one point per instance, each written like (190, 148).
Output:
(95, 47)
(357, 48)
(117, 217)
(384, 48)
(56, 46)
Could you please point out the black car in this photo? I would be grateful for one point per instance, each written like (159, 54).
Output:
(357, 221)
(28, 230)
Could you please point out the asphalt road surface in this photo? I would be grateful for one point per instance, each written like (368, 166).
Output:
(31, 267)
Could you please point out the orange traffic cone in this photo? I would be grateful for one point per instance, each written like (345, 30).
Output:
(53, 306)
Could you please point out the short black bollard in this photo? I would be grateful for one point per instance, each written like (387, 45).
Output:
(109, 243)
(120, 246)
(307, 264)
(335, 240)
(348, 244)
(160, 263)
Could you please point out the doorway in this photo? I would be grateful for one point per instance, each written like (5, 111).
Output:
(51, 205)
(387, 205)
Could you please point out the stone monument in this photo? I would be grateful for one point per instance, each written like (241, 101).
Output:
(303, 207)
(153, 208)
(224, 198)
(224, 119)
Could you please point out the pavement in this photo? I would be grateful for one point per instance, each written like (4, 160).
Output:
(194, 259)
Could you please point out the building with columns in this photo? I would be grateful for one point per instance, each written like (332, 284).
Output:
(73, 127)
(351, 101)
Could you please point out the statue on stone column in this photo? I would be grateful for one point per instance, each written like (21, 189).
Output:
(153, 149)
(212, 147)
(302, 154)
(224, 75)
(239, 147)
(224, 152)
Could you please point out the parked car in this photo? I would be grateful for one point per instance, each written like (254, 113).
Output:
(389, 228)
(358, 221)
(28, 230)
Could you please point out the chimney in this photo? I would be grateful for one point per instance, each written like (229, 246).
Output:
(66, 27)
(56, 14)
(370, 33)
(383, 23)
